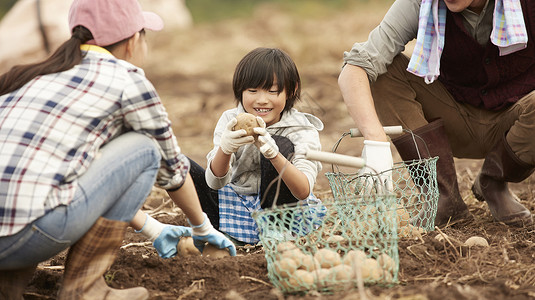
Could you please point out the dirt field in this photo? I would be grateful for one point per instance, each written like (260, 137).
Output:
(193, 70)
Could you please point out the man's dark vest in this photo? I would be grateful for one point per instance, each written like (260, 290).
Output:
(478, 75)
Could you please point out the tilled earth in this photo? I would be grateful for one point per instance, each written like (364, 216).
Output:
(192, 70)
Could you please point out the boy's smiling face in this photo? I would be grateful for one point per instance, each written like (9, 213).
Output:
(268, 104)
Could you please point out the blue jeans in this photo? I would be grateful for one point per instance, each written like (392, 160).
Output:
(114, 187)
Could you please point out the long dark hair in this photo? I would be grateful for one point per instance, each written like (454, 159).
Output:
(64, 58)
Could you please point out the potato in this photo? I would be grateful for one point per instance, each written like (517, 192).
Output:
(285, 246)
(354, 257)
(327, 258)
(185, 247)
(214, 252)
(285, 267)
(387, 277)
(307, 262)
(476, 241)
(292, 253)
(371, 270)
(285, 284)
(301, 280)
(386, 262)
(335, 239)
(342, 273)
(323, 276)
(411, 232)
(246, 121)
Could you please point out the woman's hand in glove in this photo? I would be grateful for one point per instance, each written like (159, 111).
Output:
(379, 162)
(207, 233)
(163, 237)
(232, 140)
(167, 241)
(265, 143)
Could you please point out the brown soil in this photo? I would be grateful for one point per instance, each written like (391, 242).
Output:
(193, 70)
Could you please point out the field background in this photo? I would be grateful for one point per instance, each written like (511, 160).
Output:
(192, 70)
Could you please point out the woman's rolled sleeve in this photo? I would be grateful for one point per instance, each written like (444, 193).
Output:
(212, 180)
(398, 27)
(173, 173)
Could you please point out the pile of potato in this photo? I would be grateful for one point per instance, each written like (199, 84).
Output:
(299, 271)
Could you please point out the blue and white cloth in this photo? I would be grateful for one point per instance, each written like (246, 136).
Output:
(509, 34)
(235, 216)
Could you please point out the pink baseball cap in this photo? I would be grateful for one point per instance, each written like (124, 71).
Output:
(111, 21)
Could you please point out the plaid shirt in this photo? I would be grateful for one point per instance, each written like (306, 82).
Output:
(52, 128)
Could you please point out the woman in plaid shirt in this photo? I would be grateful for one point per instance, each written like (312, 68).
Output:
(83, 137)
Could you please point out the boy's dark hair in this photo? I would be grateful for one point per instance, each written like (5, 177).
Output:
(259, 69)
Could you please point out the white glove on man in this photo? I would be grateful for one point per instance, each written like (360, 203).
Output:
(379, 163)
(265, 143)
(232, 140)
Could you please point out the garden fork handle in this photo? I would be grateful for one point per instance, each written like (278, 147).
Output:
(389, 130)
(336, 159)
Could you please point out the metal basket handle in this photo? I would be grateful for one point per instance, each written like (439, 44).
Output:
(335, 158)
(389, 130)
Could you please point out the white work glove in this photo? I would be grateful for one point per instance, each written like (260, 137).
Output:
(265, 143)
(232, 140)
(378, 163)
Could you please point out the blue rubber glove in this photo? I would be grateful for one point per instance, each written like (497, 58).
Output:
(164, 237)
(168, 239)
(207, 233)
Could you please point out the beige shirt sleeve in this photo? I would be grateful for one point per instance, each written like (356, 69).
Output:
(399, 27)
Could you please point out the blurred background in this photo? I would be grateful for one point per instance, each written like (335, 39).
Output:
(215, 10)
(191, 61)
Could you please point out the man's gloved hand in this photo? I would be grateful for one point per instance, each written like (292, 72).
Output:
(379, 163)
(265, 143)
(207, 233)
(163, 237)
(232, 140)
(168, 239)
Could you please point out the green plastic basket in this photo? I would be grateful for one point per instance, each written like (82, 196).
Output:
(331, 246)
(415, 188)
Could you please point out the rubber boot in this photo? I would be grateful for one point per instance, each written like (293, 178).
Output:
(432, 141)
(89, 258)
(491, 185)
(13, 282)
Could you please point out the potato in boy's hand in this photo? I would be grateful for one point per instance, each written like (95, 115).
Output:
(246, 121)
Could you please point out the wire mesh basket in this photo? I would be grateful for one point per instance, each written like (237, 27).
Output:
(414, 186)
(332, 245)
